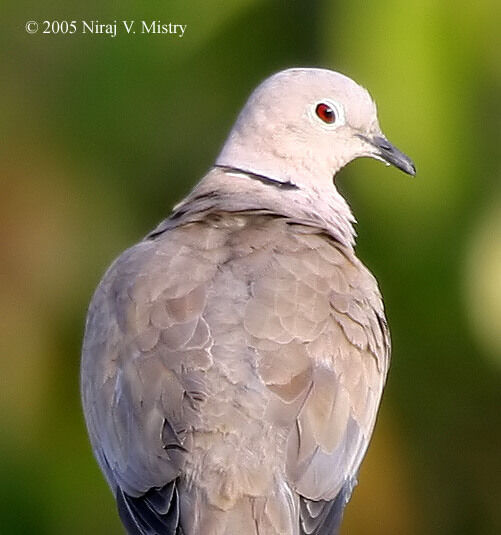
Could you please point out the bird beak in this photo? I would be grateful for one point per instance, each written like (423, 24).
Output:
(388, 153)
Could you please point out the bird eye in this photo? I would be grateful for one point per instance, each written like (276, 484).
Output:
(330, 112)
(326, 113)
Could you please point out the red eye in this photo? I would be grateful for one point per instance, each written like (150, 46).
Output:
(326, 113)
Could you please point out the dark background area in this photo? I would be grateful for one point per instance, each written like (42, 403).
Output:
(101, 136)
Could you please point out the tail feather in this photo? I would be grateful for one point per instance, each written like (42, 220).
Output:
(157, 512)
(324, 517)
(154, 513)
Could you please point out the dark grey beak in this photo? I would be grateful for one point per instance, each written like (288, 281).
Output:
(390, 154)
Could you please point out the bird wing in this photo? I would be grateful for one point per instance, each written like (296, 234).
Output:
(319, 292)
(144, 355)
(295, 325)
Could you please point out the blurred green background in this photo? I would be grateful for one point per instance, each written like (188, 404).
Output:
(101, 136)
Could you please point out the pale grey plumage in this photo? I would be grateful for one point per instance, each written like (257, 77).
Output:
(234, 359)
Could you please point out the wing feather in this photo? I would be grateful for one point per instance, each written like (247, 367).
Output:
(320, 295)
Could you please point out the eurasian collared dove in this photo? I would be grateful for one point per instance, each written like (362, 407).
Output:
(234, 360)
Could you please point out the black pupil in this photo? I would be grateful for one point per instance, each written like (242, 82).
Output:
(326, 113)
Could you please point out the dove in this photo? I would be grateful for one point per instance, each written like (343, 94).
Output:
(234, 360)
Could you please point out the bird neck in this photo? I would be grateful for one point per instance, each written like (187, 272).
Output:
(226, 188)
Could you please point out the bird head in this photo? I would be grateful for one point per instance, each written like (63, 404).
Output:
(301, 126)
